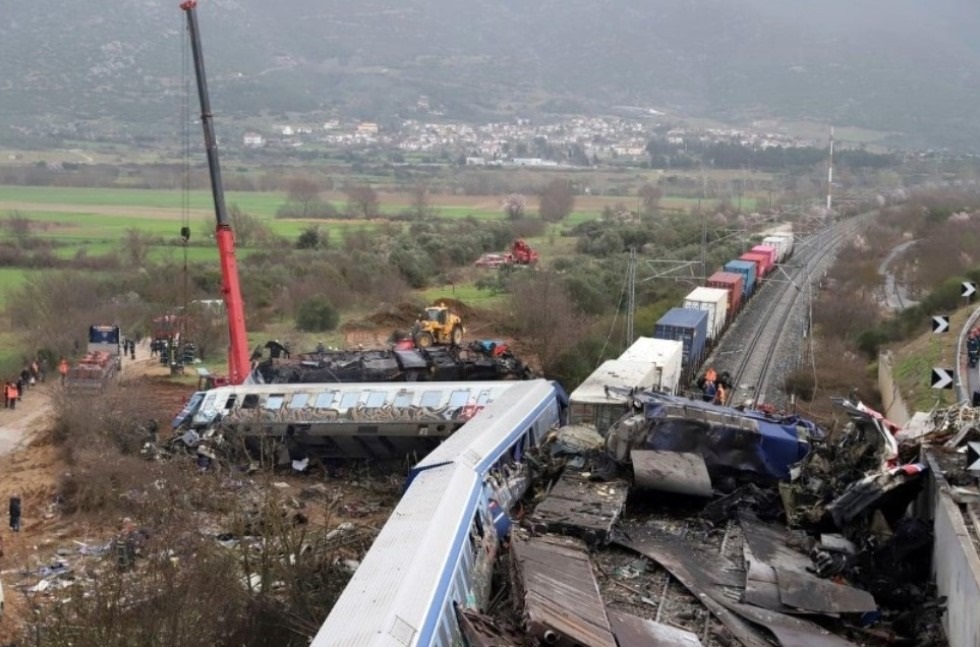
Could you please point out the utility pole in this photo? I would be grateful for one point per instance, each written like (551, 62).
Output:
(830, 174)
(630, 297)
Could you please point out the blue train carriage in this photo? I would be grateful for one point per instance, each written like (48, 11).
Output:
(436, 551)
(691, 328)
(344, 420)
(748, 271)
(494, 442)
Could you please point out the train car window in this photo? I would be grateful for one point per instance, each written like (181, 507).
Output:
(299, 400)
(350, 399)
(274, 401)
(484, 397)
(230, 402)
(208, 401)
(431, 398)
(403, 399)
(376, 399)
(325, 400)
(251, 401)
(459, 399)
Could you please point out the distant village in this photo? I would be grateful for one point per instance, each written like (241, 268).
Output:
(569, 142)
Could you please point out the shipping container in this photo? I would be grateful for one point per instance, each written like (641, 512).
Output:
(666, 354)
(715, 302)
(747, 270)
(770, 252)
(781, 243)
(760, 260)
(688, 326)
(787, 243)
(733, 283)
(592, 403)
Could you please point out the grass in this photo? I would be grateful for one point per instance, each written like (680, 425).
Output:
(914, 361)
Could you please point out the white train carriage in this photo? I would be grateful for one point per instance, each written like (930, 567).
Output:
(346, 420)
(436, 551)
(494, 442)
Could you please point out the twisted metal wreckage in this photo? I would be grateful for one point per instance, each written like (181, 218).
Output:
(856, 562)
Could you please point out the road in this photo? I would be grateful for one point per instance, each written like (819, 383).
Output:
(895, 295)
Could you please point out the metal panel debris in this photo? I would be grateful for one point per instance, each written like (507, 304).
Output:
(694, 572)
(632, 631)
(681, 473)
(580, 507)
(797, 588)
(555, 583)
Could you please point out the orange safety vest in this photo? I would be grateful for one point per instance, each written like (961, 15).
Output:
(63, 367)
(12, 391)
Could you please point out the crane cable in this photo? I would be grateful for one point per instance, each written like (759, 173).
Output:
(185, 134)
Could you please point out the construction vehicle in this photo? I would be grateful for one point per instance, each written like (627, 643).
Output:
(101, 362)
(239, 364)
(437, 326)
(520, 254)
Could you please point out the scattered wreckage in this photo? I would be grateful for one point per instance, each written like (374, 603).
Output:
(477, 361)
(851, 567)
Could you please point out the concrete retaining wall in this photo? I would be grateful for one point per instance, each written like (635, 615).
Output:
(891, 399)
(956, 566)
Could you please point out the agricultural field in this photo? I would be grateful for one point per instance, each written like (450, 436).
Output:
(96, 219)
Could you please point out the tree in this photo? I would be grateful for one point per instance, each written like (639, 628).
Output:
(362, 201)
(514, 206)
(248, 229)
(557, 200)
(553, 325)
(317, 315)
(421, 207)
(650, 195)
(311, 238)
(303, 191)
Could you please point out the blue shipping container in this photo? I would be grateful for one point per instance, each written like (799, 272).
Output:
(747, 270)
(687, 326)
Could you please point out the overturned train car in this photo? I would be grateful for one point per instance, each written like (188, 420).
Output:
(478, 361)
(341, 420)
(436, 552)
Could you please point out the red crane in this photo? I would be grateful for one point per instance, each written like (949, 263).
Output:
(231, 292)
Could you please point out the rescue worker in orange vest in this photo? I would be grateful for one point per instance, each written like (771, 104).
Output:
(63, 369)
(710, 375)
(11, 393)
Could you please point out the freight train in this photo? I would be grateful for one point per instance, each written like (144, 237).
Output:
(707, 311)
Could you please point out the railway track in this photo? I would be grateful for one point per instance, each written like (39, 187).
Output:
(766, 341)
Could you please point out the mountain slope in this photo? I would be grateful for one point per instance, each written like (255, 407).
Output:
(902, 65)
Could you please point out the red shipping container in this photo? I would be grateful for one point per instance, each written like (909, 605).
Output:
(731, 282)
(761, 262)
(769, 251)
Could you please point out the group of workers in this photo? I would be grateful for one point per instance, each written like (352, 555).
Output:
(712, 389)
(31, 374)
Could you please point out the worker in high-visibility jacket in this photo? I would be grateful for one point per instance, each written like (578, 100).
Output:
(63, 369)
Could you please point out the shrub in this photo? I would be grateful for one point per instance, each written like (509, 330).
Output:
(317, 315)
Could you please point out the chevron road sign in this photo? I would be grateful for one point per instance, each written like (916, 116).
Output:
(969, 289)
(942, 378)
(940, 324)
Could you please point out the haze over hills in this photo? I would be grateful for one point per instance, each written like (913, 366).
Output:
(907, 66)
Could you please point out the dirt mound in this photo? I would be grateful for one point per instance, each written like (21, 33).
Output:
(458, 307)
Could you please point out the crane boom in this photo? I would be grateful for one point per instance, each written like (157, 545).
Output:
(238, 356)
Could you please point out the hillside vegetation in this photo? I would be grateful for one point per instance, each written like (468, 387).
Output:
(75, 70)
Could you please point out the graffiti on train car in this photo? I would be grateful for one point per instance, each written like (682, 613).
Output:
(360, 413)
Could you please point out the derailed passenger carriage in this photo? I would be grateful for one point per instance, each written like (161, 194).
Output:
(478, 361)
(346, 420)
(437, 551)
